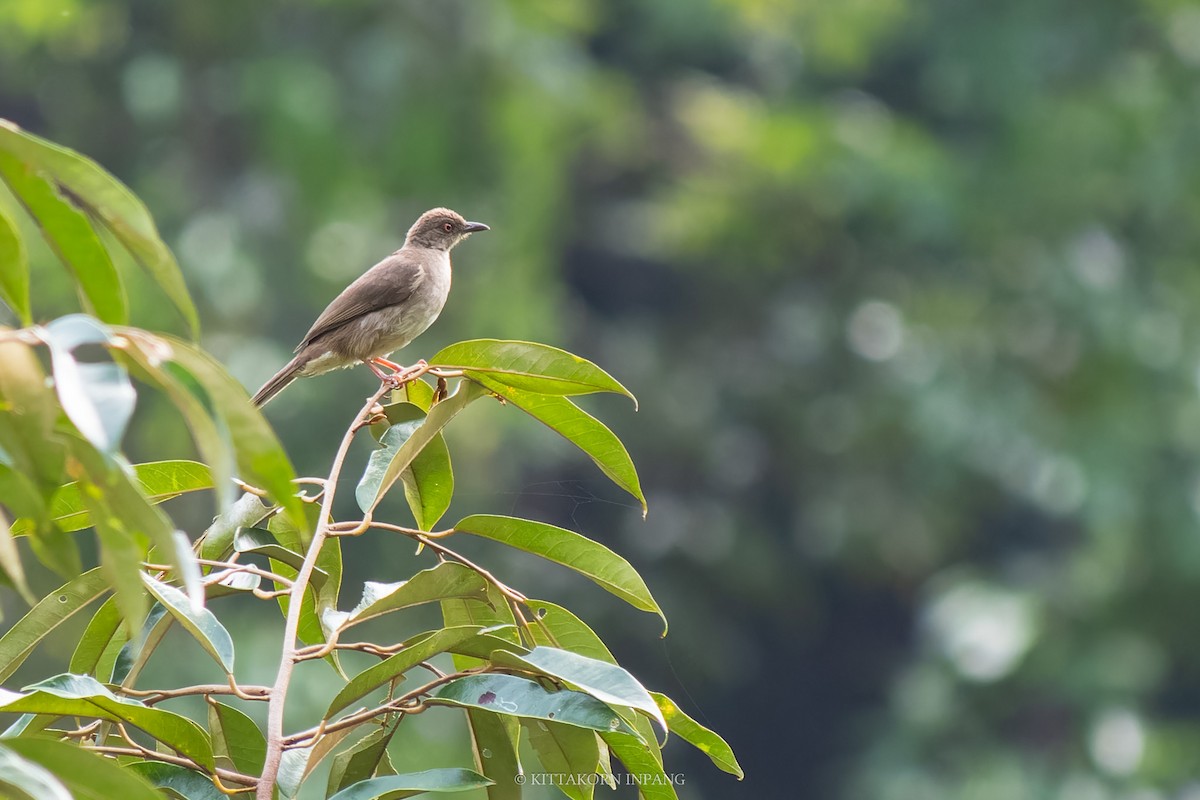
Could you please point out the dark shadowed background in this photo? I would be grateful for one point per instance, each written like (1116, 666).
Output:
(907, 290)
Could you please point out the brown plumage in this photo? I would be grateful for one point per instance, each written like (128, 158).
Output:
(386, 308)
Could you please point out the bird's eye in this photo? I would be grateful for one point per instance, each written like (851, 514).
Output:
(447, 226)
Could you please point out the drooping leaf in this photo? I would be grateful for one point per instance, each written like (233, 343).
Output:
(201, 623)
(70, 236)
(159, 481)
(393, 787)
(84, 696)
(53, 609)
(428, 480)
(640, 762)
(518, 697)
(21, 777)
(186, 783)
(602, 680)
(97, 397)
(492, 612)
(85, 775)
(14, 269)
(565, 750)
(580, 429)
(136, 650)
(298, 763)
(260, 541)
(439, 416)
(31, 411)
(236, 739)
(698, 736)
(112, 203)
(495, 740)
(525, 365)
(10, 561)
(247, 512)
(96, 638)
(588, 558)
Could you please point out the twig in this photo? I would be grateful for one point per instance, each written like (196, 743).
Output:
(152, 696)
(182, 761)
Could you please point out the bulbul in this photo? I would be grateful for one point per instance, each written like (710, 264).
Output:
(389, 305)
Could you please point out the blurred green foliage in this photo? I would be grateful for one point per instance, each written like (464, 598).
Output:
(908, 292)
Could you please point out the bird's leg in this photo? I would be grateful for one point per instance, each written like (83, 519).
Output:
(392, 365)
(400, 376)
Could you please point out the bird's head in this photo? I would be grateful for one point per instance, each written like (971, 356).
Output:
(441, 229)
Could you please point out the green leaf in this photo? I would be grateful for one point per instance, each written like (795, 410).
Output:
(159, 481)
(69, 234)
(321, 599)
(247, 512)
(109, 201)
(429, 479)
(604, 681)
(237, 740)
(358, 763)
(14, 269)
(393, 787)
(28, 779)
(493, 613)
(297, 764)
(590, 559)
(53, 609)
(646, 770)
(97, 397)
(495, 739)
(96, 638)
(580, 429)
(83, 696)
(260, 541)
(136, 650)
(525, 365)
(565, 750)
(447, 579)
(198, 621)
(698, 736)
(417, 649)
(187, 783)
(31, 410)
(260, 457)
(10, 561)
(439, 416)
(518, 697)
(87, 776)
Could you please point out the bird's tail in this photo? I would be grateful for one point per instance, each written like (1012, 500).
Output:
(279, 382)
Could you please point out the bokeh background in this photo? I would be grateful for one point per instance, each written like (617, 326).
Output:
(907, 290)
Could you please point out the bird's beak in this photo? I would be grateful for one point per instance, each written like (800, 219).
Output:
(475, 227)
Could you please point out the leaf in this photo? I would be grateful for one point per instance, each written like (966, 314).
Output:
(69, 235)
(10, 561)
(28, 778)
(495, 740)
(447, 579)
(297, 764)
(417, 649)
(261, 541)
(590, 559)
(580, 429)
(159, 481)
(525, 365)
(321, 599)
(31, 412)
(565, 750)
(439, 416)
(639, 760)
(518, 697)
(606, 682)
(97, 397)
(53, 609)
(429, 479)
(14, 270)
(187, 783)
(96, 638)
(698, 736)
(247, 512)
(199, 622)
(86, 776)
(113, 204)
(358, 763)
(236, 739)
(136, 650)
(83, 696)
(392, 787)
(260, 457)
(492, 612)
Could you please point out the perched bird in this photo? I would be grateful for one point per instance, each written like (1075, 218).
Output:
(386, 308)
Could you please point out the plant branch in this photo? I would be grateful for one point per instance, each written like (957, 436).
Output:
(287, 661)
(152, 696)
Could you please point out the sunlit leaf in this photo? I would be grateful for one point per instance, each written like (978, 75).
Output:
(495, 739)
(640, 762)
(518, 697)
(393, 787)
(436, 583)
(97, 396)
(525, 365)
(237, 739)
(14, 269)
(698, 736)
(201, 623)
(588, 558)
(565, 750)
(53, 609)
(428, 480)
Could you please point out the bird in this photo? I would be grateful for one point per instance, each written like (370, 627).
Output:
(387, 307)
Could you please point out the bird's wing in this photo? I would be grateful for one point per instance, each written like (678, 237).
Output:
(388, 283)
